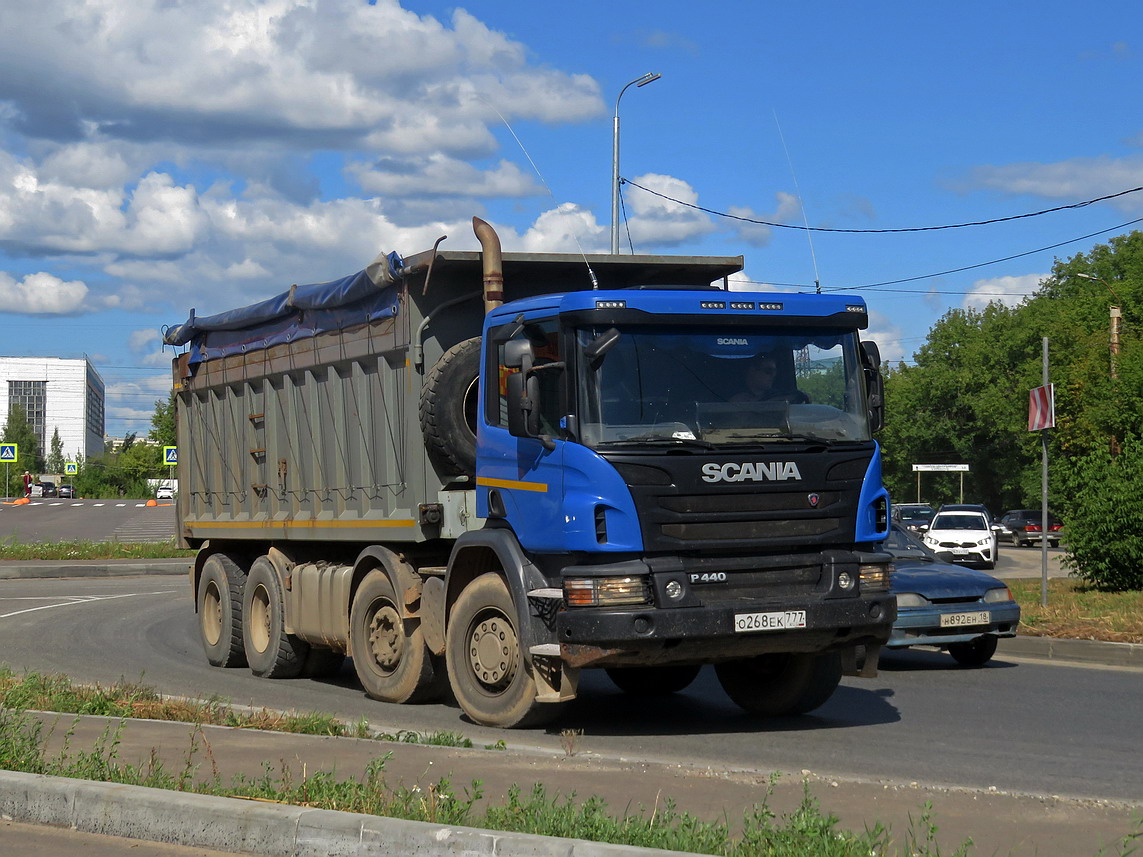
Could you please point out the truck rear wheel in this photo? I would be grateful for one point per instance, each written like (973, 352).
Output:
(388, 653)
(220, 611)
(653, 681)
(270, 651)
(448, 407)
(486, 667)
(779, 684)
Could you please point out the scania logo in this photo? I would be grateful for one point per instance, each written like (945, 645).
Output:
(750, 471)
(813, 500)
(729, 340)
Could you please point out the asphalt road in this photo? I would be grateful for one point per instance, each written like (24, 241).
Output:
(1024, 727)
(55, 520)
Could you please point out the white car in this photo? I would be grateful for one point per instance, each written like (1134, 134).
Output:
(964, 537)
(165, 492)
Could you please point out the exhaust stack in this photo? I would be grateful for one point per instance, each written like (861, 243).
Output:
(493, 264)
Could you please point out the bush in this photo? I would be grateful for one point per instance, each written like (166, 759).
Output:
(1103, 514)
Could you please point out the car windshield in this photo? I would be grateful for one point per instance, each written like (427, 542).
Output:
(959, 521)
(719, 387)
(902, 545)
(915, 514)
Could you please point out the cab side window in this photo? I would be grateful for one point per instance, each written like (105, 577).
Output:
(544, 337)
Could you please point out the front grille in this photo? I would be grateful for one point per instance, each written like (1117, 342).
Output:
(958, 544)
(743, 587)
(735, 530)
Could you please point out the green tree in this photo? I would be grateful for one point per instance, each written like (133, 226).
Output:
(163, 422)
(55, 461)
(19, 431)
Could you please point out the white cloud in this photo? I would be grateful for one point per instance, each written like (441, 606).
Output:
(1009, 291)
(440, 175)
(657, 222)
(286, 70)
(41, 294)
(1074, 180)
(565, 229)
(888, 336)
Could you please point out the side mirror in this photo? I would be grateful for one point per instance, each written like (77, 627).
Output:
(518, 354)
(874, 384)
(597, 349)
(523, 405)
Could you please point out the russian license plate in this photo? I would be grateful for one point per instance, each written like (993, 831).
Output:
(959, 620)
(960, 551)
(781, 621)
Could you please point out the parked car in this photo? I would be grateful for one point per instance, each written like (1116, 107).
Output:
(959, 610)
(915, 517)
(44, 488)
(164, 492)
(962, 537)
(67, 491)
(1024, 527)
(969, 507)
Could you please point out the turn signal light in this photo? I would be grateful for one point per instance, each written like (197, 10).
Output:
(874, 578)
(606, 591)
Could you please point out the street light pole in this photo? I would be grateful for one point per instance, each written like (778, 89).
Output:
(649, 77)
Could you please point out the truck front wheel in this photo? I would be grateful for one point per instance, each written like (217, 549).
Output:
(388, 653)
(779, 684)
(270, 651)
(220, 611)
(486, 667)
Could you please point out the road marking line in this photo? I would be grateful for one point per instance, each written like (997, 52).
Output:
(81, 599)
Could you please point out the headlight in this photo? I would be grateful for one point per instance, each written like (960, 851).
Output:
(929, 540)
(606, 591)
(875, 578)
(994, 596)
(911, 599)
(985, 542)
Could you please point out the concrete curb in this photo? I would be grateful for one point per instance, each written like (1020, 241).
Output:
(1097, 652)
(47, 568)
(275, 830)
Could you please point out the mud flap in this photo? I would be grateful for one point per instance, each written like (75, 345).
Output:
(555, 680)
(861, 661)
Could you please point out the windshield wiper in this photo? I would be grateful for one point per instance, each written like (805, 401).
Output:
(657, 440)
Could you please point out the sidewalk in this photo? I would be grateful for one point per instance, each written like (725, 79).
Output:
(12, 569)
(998, 823)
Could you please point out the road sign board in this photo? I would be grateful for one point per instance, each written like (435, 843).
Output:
(70, 468)
(9, 451)
(1042, 408)
(170, 456)
(940, 468)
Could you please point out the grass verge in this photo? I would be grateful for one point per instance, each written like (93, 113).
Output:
(11, 549)
(1076, 611)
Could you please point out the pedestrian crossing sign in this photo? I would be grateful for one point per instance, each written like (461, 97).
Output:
(70, 468)
(170, 456)
(9, 451)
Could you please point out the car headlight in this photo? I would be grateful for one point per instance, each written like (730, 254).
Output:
(985, 542)
(929, 540)
(911, 599)
(994, 596)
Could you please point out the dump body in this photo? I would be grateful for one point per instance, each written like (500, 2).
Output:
(495, 470)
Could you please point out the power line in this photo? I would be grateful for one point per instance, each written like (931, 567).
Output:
(776, 225)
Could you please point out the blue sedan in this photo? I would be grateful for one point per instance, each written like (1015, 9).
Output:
(958, 609)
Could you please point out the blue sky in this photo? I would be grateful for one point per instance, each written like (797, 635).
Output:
(158, 156)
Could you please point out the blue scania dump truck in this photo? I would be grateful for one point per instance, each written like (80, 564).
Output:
(483, 472)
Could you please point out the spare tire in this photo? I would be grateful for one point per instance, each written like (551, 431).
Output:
(449, 406)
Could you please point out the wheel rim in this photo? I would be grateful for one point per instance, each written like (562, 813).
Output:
(211, 614)
(260, 618)
(385, 637)
(491, 651)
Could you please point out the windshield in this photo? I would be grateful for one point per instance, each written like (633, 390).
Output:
(716, 386)
(959, 521)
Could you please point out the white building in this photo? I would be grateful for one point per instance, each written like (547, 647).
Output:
(67, 395)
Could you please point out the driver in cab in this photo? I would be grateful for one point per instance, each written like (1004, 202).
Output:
(761, 376)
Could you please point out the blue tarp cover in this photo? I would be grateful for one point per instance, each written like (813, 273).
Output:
(301, 312)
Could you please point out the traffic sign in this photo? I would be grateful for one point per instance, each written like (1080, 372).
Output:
(70, 468)
(9, 451)
(940, 468)
(170, 456)
(1042, 408)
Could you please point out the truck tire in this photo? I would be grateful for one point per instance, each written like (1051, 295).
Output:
(448, 408)
(974, 653)
(489, 675)
(270, 651)
(780, 684)
(389, 654)
(220, 611)
(653, 681)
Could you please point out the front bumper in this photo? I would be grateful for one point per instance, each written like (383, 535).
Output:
(921, 626)
(599, 637)
(967, 556)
